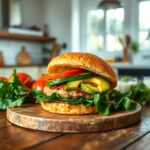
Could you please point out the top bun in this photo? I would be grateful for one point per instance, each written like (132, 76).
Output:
(86, 61)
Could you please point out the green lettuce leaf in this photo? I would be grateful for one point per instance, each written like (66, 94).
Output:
(12, 94)
(104, 103)
(140, 92)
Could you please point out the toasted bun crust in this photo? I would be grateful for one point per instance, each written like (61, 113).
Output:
(86, 61)
(64, 108)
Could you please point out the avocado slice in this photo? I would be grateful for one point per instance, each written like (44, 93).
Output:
(73, 85)
(89, 88)
(100, 83)
(68, 79)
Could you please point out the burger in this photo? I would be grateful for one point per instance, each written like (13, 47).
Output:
(78, 83)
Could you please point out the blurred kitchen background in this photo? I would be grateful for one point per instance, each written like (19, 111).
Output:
(33, 31)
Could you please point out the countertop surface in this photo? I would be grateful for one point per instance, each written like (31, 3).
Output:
(130, 66)
(136, 137)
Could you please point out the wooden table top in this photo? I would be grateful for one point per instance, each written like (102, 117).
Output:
(136, 137)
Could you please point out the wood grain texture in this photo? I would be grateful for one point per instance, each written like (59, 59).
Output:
(2, 113)
(33, 117)
(7, 35)
(4, 123)
(16, 138)
(112, 140)
(146, 110)
(141, 144)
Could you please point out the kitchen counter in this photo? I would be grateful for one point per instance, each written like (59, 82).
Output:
(129, 66)
(128, 69)
(135, 137)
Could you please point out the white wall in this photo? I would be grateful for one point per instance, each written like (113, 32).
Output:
(33, 12)
(55, 13)
(58, 17)
(10, 48)
(0, 15)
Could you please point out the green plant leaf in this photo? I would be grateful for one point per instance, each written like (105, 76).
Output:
(104, 109)
(41, 97)
(97, 102)
(102, 104)
(87, 103)
(12, 93)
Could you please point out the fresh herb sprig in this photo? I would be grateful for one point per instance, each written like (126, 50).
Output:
(12, 93)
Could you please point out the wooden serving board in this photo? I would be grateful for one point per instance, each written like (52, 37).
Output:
(34, 117)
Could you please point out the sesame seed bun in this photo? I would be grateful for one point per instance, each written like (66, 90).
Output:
(64, 108)
(85, 61)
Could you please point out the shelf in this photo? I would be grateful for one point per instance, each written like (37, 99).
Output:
(14, 36)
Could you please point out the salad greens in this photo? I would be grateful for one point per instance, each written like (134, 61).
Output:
(102, 102)
(12, 93)
(139, 92)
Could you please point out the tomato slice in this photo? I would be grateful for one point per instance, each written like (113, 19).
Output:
(39, 85)
(62, 74)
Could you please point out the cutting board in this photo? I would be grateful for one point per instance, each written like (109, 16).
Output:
(23, 57)
(32, 116)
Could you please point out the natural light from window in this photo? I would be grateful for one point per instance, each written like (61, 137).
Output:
(144, 24)
(95, 30)
(104, 29)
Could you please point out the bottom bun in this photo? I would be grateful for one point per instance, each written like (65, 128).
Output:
(64, 108)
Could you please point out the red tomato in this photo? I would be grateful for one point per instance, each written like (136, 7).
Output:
(39, 84)
(44, 77)
(62, 74)
(3, 78)
(30, 83)
(24, 78)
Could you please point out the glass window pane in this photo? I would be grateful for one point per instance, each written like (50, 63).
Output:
(144, 23)
(144, 11)
(143, 36)
(113, 43)
(95, 29)
(109, 29)
(114, 28)
(95, 42)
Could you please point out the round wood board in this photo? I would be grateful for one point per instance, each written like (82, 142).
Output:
(34, 117)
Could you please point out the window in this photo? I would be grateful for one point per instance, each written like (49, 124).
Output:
(144, 24)
(95, 30)
(104, 28)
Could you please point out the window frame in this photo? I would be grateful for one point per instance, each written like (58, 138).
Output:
(138, 21)
(131, 20)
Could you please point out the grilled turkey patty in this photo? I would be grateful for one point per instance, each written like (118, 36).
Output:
(60, 90)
